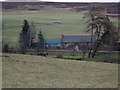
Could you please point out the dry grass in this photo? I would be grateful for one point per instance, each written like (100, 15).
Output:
(45, 72)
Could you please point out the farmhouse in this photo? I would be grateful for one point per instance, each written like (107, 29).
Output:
(70, 42)
(78, 42)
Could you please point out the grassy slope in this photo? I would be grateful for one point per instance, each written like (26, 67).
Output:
(36, 71)
(72, 24)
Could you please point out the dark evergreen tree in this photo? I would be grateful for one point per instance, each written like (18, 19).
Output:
(40, 42)
(5, 48)
(24, 41)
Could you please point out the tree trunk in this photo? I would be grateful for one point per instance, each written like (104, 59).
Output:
(89, 54)
(98, 43)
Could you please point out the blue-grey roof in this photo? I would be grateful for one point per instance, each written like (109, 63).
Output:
(80, 38)
(52, 41)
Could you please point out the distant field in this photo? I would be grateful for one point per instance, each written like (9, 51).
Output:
(45, 72)
(73, 23)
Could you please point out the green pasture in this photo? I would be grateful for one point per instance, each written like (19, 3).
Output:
(72, 23)
(107, 57)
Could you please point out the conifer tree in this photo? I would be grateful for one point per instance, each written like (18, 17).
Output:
(24, 41)
(40, 42)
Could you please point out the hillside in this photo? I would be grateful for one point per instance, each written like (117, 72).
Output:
(43, 72)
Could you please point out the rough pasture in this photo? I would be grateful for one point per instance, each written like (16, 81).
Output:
(43, 72)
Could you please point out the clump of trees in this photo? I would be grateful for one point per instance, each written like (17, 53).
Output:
(28, 38)
(100, 25)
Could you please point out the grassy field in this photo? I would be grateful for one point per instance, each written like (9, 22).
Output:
(73, 23)
(45, 72)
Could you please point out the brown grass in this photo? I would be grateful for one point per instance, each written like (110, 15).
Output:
(45, 72)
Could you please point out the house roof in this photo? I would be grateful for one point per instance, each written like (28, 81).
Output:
(54, 40)
(79, 38)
